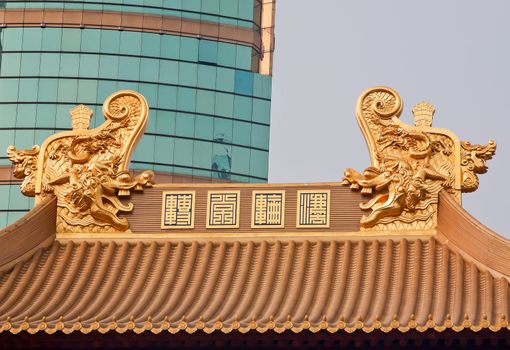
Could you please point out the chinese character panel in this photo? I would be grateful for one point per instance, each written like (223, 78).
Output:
(268, 209)
(178, 209)
(223, 209)
(313, 208)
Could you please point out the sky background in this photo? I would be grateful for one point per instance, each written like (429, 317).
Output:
(453, 54)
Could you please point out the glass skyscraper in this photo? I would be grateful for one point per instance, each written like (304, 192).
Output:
(203, 65)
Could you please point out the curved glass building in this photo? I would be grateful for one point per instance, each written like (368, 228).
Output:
(203, 65)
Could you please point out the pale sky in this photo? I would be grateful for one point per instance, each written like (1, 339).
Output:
(453, 54)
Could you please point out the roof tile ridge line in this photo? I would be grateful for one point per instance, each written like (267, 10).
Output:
(367, 283)
(143, 268)
(471, 220)
(25, 281)
(337, 291)
(6, 287)
(313, 276)
(109, 285)
(488, 297)
(107, 252)
(36, 210)
(212, 278)
(185, 260)
(77, 286)
(473, 296)
(28, 255)
(353, 286)
(457, 295)
(423, 303)
(41, 296)
(440, 298)
(413, 278)
(214, 310)
(491, 247)
(280, 285)
(149, 294)
(63, 290)
(243, 273)
(170, 275)
(8, 293)
(33, 225)
(273, 255)
(456, 249)
(248, 296)
(201, 255)
(317, 307)
(505, 299)
(391, 310)
(296, 278)
(126, 271)
(374, 316)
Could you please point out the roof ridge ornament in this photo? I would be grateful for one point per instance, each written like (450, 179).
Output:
(87, 169)
(410, 164)
(423, 113)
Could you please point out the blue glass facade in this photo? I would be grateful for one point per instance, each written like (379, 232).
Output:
(209, 112)
(232, 12)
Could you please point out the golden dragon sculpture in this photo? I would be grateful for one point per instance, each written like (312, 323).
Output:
(87, 169)
(410, 164)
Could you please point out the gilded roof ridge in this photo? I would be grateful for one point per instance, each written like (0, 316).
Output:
(461, 231)
(87, 170)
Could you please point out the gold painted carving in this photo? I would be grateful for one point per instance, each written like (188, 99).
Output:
(410, 164)
(313, 208)
(87, 168)
(178, 209)
(268, 209)
(473, 158)
(223, 209)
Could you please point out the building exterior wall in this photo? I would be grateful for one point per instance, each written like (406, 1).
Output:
(209, 104)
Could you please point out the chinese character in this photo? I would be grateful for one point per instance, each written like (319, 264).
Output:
(178, 209)
(223, 209)
(268, 209)
(313, 209)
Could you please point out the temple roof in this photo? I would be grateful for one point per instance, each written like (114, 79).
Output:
(397, 253)
(339, 283)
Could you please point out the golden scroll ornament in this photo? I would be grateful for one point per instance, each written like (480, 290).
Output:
(87, 169)
(410, 164)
